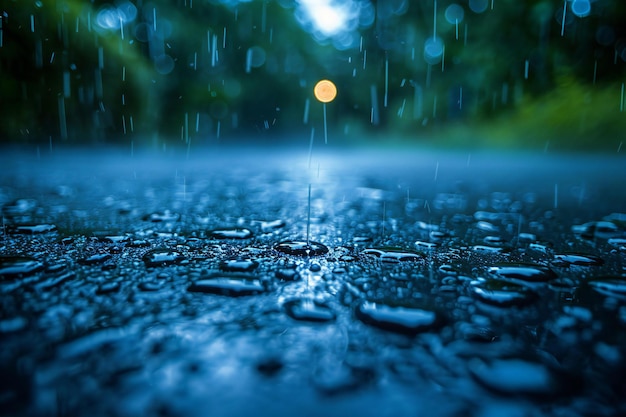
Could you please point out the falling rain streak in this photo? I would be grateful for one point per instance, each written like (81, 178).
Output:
(526, 69)
(214, 56)
(595, 71)
(374, 116)
(384, 218)
(386, 81)
(443, 58)
(308, 219)
(556, 196)
(62, 118)
(186, 128)
(434, 19)
(325, 125)
(305, 116)
(67, 92)
(311, 145)
(563, 18)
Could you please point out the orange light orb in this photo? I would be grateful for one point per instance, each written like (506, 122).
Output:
(325, 91)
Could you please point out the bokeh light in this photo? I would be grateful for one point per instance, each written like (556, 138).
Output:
(433, 50)
(113, 17)
(454, 13)
(335, 21)
(325, 91)
(164, 64)
(605, 35)
(327, 18)
(581, 8)
(478, 6)
(255, 57)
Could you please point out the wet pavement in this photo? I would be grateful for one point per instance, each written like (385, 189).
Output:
(361, 282)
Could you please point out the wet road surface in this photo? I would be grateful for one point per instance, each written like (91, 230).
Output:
(361, 282)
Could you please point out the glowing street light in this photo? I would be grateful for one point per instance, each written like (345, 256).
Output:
(325, 91)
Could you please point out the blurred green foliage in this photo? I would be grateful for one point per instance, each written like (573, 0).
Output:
(514, 75)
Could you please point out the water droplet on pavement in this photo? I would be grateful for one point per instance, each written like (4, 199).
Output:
(487, 249)
(399, 319)
(34, 229)
(12, 267)
(11, 325)
(301, 248)
(162, 257)
(578, 259)
(287, 274)
(502, 294)
(239, 265)
(308, 310)
(523, 272)
(235, 233)
(98, 258)
(610, 286)
(600, 229)
(149, 286)
(231, 285)
(108, 288)
(520, 377)
(392, 254)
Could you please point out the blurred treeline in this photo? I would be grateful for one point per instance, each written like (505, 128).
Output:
(202, 71)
